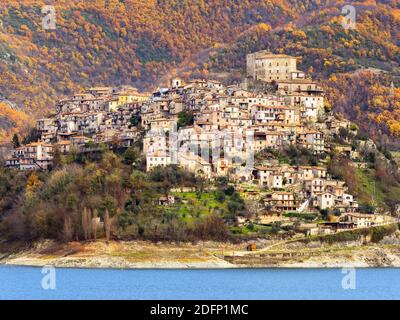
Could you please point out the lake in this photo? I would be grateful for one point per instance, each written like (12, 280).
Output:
(31, 283)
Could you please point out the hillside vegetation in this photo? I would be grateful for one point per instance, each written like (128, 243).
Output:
(58, 204)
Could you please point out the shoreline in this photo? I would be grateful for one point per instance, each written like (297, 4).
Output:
(283, 267)
(144, 255)
(90, 264)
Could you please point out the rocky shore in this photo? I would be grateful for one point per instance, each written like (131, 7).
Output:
(148, 255)
(117, 254)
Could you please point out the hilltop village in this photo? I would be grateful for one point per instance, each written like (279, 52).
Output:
(240, 133)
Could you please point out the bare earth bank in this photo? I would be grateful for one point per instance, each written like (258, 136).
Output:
(143, 254)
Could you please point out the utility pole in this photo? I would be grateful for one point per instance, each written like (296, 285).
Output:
(374, 196)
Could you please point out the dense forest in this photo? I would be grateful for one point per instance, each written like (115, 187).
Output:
(112, 42)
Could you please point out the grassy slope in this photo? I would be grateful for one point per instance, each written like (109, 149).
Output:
(369, 189)
(193, 207)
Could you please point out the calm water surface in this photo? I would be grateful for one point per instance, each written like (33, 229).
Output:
(26, 283)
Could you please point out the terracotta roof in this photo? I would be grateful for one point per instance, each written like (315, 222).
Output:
(63, 142)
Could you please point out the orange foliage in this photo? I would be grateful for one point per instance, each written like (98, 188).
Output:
(17, 122)
(112, 42)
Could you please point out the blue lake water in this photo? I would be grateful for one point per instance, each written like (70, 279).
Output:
(26, 283)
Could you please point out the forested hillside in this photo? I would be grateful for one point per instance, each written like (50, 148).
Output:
(139, 42)
(359, 68)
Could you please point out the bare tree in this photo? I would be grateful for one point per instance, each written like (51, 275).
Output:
(94, 224)
(67, 230)
(107, 225)
(89, 223)
(85, 226)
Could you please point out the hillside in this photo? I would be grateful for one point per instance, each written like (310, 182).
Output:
(134, 42)
(359, 68)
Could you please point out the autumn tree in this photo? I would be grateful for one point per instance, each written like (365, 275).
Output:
(32, 185)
